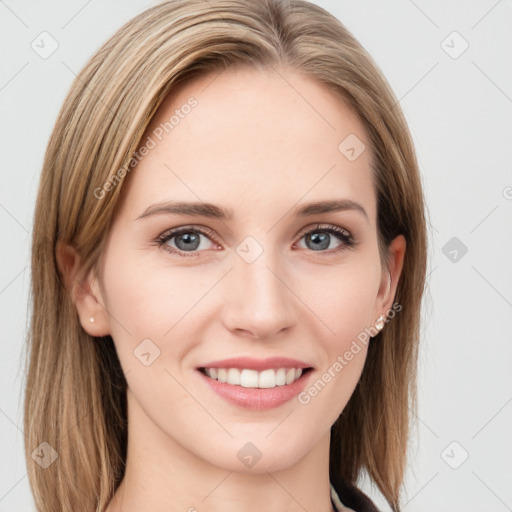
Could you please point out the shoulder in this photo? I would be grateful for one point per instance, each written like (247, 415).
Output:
(348, 498)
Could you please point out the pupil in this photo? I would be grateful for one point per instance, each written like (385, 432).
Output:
(320, 241)
(187, 241)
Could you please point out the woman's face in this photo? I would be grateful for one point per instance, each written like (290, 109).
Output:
(259, 281)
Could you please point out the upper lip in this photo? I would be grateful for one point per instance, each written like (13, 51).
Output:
(257, 364)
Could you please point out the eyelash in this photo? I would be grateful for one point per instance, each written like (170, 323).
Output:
(342, 234)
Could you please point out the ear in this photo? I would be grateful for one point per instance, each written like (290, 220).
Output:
(390, 275)
(84, 291)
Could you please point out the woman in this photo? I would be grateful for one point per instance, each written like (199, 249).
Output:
(228, 262)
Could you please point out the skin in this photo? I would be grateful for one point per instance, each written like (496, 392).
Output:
(253, 145)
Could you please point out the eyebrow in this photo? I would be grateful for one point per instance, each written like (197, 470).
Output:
(217, 212)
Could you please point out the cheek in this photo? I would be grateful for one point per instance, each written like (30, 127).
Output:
(343, 299)
(346, 314)
(148, 299)
(151, 319)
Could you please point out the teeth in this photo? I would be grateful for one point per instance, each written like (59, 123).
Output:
(234, 376)
(281, 377)
(254, 379)
(248, 378)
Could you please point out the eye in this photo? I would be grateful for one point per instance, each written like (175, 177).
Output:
(320, 238)
(185, 239)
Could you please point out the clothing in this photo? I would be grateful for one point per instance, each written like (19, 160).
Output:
(352, 497)
(336, 502)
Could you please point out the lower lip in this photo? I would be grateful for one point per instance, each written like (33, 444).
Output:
(257, 398)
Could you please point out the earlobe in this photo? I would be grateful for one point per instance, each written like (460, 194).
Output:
(83, 291)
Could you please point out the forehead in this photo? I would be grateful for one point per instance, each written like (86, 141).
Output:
(253, 136)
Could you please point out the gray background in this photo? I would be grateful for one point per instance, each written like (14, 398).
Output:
(459, 110)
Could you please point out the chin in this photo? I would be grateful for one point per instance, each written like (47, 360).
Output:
(257, 456)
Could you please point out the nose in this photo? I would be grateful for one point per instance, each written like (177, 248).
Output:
(259, 300)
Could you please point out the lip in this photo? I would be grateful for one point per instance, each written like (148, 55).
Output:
(256, 364)
(256, 398)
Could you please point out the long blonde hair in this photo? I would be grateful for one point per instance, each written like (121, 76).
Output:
(76, 390)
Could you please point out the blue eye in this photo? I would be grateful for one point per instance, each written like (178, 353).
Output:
(187, 240)
(321, 237)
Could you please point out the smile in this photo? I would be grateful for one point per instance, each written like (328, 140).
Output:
(252, 389)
